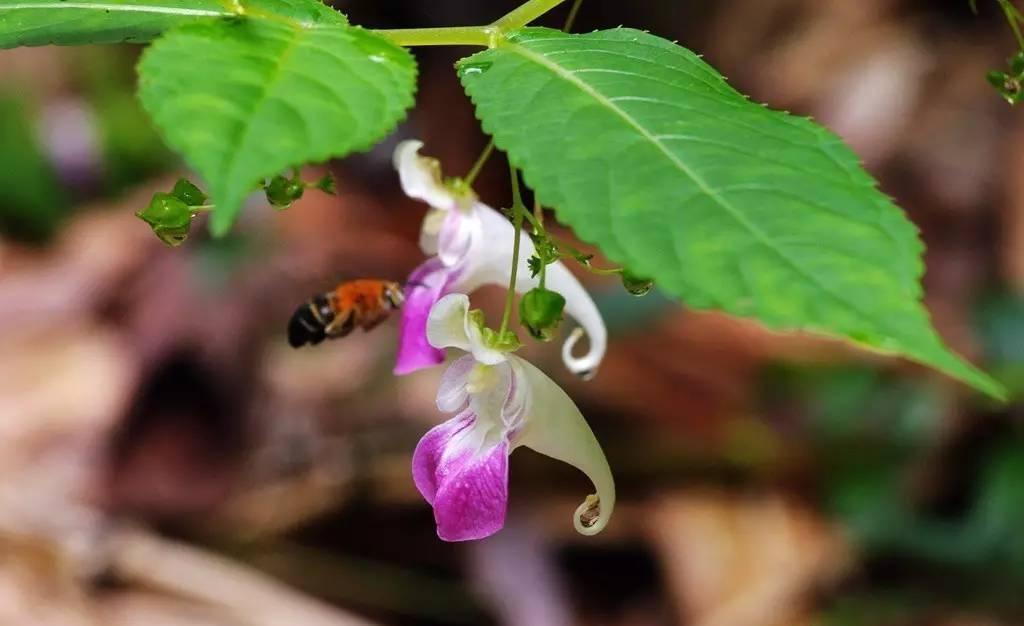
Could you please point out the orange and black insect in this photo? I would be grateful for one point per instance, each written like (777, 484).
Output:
(363, 303)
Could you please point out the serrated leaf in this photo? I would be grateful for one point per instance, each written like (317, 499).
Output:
(646, 151)
(75, 22)
(244, 100)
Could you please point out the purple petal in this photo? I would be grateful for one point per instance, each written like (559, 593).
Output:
(434, 453)
(425, 287)
(465, 480)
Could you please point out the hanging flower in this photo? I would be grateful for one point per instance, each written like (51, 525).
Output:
(471, 244)
(501, 402)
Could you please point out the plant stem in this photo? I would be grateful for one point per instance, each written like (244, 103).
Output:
(538, 229)
(1012, 15)
(517, 223)
(484, 36)
(573, 12)
(603, 271)
(479, 165)
(526, 13)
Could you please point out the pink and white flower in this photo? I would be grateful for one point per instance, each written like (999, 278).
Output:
(501, 402)
(471, 245)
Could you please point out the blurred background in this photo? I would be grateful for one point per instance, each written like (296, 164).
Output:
(168, 460)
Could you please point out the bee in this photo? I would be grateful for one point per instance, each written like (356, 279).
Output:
(364, 303)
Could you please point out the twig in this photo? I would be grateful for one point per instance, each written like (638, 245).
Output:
(249, 596)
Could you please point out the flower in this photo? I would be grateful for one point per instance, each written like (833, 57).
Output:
(471, 244)
(501, 402)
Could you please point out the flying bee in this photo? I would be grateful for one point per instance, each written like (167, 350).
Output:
(364, 303)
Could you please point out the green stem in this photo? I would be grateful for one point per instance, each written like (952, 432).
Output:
(573, 12)
(517, 222)
(538, 229)
(603, 271)
(526, 13)
(202, 207)
(486, 36)
(1012, 15)
(449, 36)
(479, 165)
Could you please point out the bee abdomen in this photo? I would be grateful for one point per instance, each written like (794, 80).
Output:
(305, 327)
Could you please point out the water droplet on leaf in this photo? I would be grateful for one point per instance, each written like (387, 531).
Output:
(480, 67)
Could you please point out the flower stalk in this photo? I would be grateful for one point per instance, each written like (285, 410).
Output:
(573, 12)
(517, 223)
(470, 178)
(1013, 16)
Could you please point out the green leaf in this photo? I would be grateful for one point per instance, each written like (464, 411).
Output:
(75, 22)
(646, 151)
(280, 95)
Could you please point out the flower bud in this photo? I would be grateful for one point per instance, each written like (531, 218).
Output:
(540, 311)
(635, 285)
(996, 78)
(1010, 87)
(282, 192)
(1017, 63)
(188, 193)
(327, 185)
(169, 217)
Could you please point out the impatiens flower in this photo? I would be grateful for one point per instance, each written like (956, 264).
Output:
(471, 244)
(500, 402)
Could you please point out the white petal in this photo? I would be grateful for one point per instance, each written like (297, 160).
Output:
(456, 236)
(446, 325)
(450, 326)
(488, 263)
(421, 176)
(556, 428)
(430, 231)
(489, 387)
(580, 306)
(452, 396)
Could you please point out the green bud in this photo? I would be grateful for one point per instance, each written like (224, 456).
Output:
(1017, 64)
(282, 192)
(535, 264)
(326, 185)
(507, 342)
(169, 217)
(188, 193)
(584, 259)
(502, 342)
(635, 285)
(547, 251)
(996, 78)
(540, 311)
(1009, 87)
